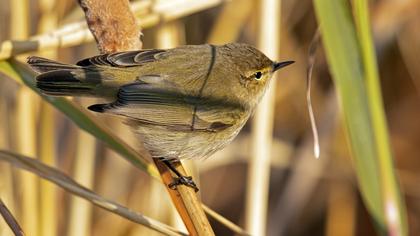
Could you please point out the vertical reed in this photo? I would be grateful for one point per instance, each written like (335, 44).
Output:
(83, 172)
(47, 145)
(26, 120)
(262, 124)
(6, 185)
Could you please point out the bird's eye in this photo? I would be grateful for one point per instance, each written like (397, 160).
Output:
(258, 75)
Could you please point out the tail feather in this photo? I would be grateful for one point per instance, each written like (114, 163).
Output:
(41, 65)
(63, 83)
(61, 79)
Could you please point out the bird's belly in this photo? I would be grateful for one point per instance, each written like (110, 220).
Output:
(162, 142)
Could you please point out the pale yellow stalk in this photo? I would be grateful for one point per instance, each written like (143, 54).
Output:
(48, 196)
(262, 125)
(47, 148)
(29, 184)
(6, 184)
(26, 118)
(80, 210)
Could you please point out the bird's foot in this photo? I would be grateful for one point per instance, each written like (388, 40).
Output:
(183, 180)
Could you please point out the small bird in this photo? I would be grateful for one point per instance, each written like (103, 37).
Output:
(182, 103)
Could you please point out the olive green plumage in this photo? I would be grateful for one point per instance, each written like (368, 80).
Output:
(186, 102)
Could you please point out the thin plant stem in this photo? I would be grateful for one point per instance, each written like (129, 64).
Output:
(262, 125)
(84, 168)
(29, 185)
(10, 219)
(47, 147)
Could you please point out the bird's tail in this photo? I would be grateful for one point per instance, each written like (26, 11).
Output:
(61, 79)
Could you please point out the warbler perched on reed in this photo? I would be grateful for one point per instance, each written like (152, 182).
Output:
(185, 102)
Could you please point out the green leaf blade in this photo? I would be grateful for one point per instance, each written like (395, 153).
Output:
(342, 49)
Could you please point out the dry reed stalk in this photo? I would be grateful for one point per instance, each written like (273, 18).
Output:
(10, 219)
(47, 149)
(6, 193)
(26, 144)
(48, 192)
(6, 186)
(29, 184)
(186, 202)
(262, 125)
(84, 168)
(19, 20)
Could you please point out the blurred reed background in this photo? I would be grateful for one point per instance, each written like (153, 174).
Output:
(298, 194)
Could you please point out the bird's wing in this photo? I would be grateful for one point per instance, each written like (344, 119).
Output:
(123, 59)
(148, 104)
(186, 67)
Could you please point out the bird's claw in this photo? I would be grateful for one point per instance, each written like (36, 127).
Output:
(183, 180)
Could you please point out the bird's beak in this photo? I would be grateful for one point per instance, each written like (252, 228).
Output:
(278, 65)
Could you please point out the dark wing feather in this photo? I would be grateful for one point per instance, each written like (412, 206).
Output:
(123, 59)
(41, 65)
(147, 104)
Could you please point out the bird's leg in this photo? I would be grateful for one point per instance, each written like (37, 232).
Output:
(180, 179)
